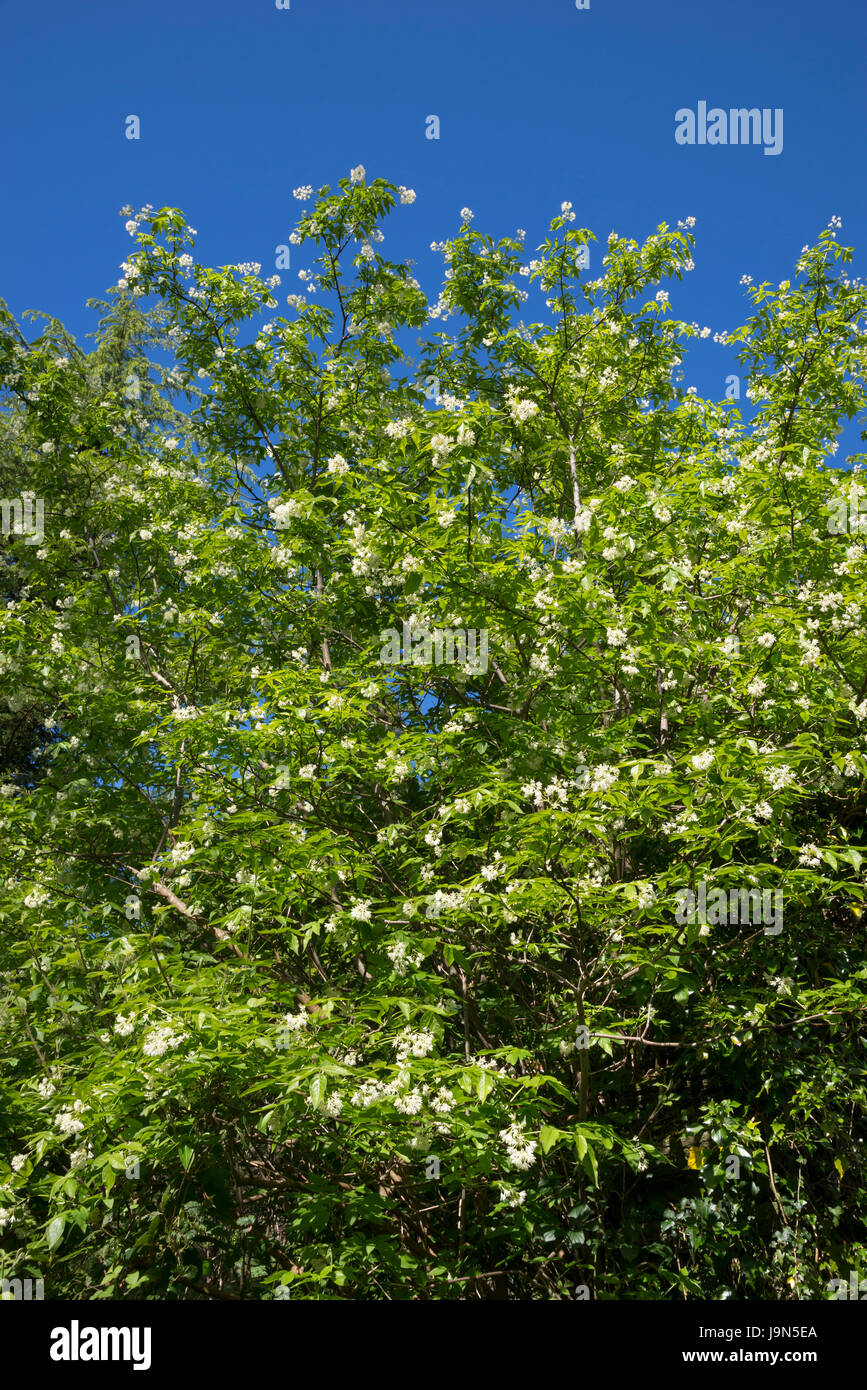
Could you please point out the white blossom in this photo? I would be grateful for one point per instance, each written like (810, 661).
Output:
(68, 1121)
(520, 1150)
(603, 777)
(160, 1039)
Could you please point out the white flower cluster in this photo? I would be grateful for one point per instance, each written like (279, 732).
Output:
(409, 1102)
(603, 777)
(337, 464)
(556, 528)
(240, 918)
(444, 901)
(678, 825)
(159, 1040)
(494, 870)
(368, 1093)
(410, 1044)
(67, 1120)
(519, 408)
(402, 958)
(406, 1101)
(295, 1023)
(512, 1196)
(646, 894)
(283, 512)
(364, 559)
(37, 897)
(555, 794)
(123, 1026)
(398, 429)
(520, 1150)
(443, 1102)
(779, 777)
(183, 712)
(442, 446)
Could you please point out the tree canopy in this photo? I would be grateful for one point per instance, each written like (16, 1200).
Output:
(383, 700)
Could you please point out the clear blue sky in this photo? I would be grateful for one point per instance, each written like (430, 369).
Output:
(538, 102)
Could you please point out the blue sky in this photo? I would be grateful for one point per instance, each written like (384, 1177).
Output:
(240, 102)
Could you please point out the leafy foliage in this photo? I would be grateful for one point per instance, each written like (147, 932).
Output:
(330, 978)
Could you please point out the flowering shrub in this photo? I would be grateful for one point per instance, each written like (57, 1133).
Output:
(370, 980)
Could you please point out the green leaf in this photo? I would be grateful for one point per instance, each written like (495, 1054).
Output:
(591, 1165)
(548, 1136)
(484, 1085)
(54, 1234)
